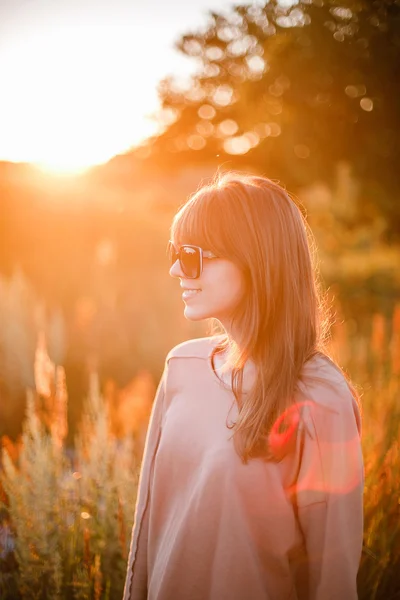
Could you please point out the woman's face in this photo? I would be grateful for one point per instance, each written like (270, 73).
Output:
(222, 288)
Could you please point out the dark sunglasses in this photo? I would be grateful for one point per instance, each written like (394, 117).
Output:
(190, 258)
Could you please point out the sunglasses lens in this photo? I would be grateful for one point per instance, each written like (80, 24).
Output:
(190, 261)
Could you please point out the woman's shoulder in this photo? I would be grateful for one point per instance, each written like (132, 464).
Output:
(325, 385)
(321, 367)
(194, 348)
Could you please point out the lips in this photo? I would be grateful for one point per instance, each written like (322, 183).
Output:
(190, 293)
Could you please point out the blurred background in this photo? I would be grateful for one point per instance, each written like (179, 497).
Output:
(112, 113)
(161, 96)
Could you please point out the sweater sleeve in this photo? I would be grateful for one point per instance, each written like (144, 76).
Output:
(329, 497)
(136, 577)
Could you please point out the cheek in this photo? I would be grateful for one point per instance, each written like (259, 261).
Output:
(230, 285)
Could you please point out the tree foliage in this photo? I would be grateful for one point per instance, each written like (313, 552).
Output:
(292, 88)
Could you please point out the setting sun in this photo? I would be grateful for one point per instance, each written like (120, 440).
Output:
(79, 77)
(79, 81)
(71, 100)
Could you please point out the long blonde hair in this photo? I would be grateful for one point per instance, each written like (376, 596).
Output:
(285, 318)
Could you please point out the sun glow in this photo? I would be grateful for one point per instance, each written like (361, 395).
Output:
(79, 78)
(74, 95)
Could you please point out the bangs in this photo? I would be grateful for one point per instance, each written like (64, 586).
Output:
(197, 223)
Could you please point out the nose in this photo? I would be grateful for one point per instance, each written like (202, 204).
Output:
(175, 270)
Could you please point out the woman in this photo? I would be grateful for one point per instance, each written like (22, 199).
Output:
(251, 484)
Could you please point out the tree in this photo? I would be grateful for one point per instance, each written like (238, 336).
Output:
(292, 88)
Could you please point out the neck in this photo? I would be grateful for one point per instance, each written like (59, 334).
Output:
(234, 335)
(224, 368)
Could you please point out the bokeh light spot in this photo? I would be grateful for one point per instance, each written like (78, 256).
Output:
(255, 64)
(355, 91)
(227, 34)
(366, 104)
(195, 94)
(205, 128)
(214, 53)
(228, 127)
(274, 106)
(263, 130)
(237, 145)
(196, 142)
(287, 3)
(275, 129)
(301, 151)
(223, 95)
(206, 111)
(275, 89)
(252, 137)
(242, 46)
(211, 70)
(192, 47)
(339, 36)
(341, 12)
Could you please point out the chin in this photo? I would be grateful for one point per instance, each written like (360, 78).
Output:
(193, 314)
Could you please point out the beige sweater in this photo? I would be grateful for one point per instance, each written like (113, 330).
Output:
(208, 527)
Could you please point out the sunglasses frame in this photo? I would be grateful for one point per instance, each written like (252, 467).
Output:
(202, 254)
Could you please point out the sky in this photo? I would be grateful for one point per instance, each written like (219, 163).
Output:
(79, 77)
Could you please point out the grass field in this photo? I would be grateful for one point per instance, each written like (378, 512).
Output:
(67, 514)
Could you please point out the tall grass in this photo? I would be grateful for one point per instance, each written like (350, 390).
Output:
(71, 515)
(374, 365)
(379, 370)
